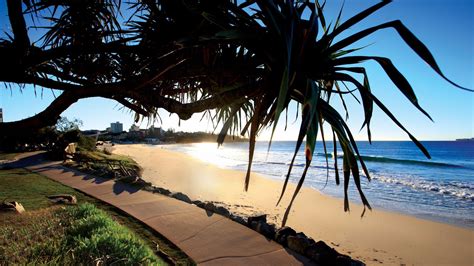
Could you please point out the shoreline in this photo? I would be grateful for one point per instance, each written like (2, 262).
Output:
(374, 205)
(380, 237)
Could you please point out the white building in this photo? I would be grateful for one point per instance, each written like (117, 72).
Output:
(116, 127)
(1, 115)
(134, 128)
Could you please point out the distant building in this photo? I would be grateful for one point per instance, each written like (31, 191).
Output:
(134, 128)
(116, 127)
(1, 115)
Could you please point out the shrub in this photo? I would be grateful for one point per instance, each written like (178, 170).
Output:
(86, 143)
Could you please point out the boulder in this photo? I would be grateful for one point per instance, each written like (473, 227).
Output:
(281, 235)
(63, 199)
(258, 218)
(238, 219)
(299, 242)
(268, 230)
(210, 207)
(163, 191)
(344, 260)
(222, 211)
(133, 180)
(357, 263)
(199, 203)
(323, 254)
(12, 206)
(181, 196)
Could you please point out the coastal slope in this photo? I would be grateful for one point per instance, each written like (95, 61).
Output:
(379, 237)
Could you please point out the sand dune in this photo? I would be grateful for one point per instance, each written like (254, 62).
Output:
(379, 237)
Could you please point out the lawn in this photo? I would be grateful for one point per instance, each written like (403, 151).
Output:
(7, 156)
(40, 234)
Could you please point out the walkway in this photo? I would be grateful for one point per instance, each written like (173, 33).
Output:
(208, 238)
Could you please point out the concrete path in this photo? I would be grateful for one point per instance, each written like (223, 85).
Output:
(208, 238)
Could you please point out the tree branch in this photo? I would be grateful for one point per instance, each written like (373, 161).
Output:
(17, 21)
(48, 117)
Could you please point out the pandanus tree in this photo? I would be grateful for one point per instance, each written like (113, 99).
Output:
(240, 62)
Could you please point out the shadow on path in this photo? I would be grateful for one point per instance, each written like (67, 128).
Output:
(120, 187)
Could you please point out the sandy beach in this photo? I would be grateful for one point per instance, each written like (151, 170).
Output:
(379, 237)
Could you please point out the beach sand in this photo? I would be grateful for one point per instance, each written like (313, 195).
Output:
(379, 237)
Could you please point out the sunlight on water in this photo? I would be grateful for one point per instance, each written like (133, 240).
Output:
(210, 153)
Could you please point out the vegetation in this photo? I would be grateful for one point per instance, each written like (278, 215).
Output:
(53, 138)
(239, 62)
(46, 233)
(31, 189)
(95, 238)
(102, 163)
(7, 156)
(73, 235)
(86, 143)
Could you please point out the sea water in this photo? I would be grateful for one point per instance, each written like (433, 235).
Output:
(403, 179)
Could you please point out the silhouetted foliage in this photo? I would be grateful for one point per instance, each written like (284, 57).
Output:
(239, 62)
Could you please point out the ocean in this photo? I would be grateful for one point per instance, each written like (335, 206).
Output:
(403, 180)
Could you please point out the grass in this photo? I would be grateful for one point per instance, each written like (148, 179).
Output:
(94, 237)
(35, 235)
(31, 189)
(27, 238)
(72, 235)
(7, 156)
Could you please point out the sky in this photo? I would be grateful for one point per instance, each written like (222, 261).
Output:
(446, 27)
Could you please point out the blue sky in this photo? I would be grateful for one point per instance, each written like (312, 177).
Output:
(446, 27)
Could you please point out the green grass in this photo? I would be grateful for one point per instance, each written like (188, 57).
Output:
(95, 237)
(72, 235)
(31, 189)
(35, 232)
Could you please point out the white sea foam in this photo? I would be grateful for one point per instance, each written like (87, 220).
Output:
(459, 190)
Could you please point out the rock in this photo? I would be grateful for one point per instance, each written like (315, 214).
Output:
(222, 211)
(268, 230)
(181, 196)
(238, 219)
(312, 252)
(133, 180)
(210, 207)
(357, 263)
(160, 190)
(258, 218)
(199, 203)
(344, 260)
(323, 254)
(12, 206)
(63, 199)
(299, 242)
(282, 234)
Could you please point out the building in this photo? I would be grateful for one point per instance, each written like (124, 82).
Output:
(134, 128)
(116, 127)
(1, 115)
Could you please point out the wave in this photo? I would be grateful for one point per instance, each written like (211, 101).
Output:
(382, 159)
(296, 165)
(458, 190)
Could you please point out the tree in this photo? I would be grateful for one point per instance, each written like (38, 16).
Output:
(63, 124)
(240, 62)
